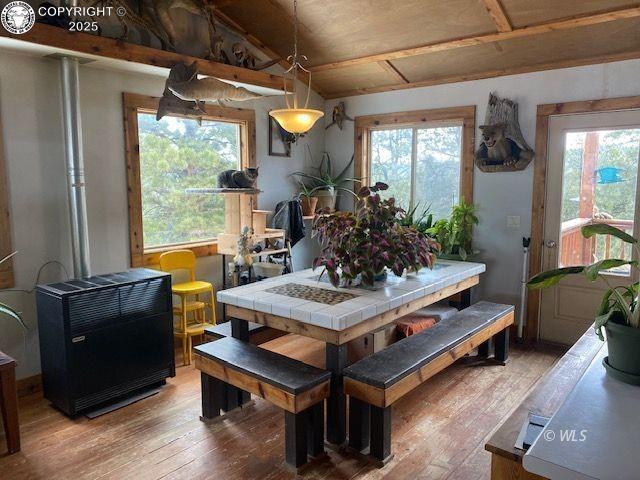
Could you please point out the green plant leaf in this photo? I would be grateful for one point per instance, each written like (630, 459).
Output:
(552, 277)
(601, 321)
(10, 312)
(589, 231)
(592, 271)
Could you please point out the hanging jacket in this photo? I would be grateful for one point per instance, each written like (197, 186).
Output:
(288, 217)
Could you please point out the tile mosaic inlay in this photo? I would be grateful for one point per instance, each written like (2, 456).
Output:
(313, 294)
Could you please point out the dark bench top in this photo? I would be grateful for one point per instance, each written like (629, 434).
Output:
(400, 359)
(282, 372)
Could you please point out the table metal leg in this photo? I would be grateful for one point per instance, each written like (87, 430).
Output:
(239, 330)
(336, 361)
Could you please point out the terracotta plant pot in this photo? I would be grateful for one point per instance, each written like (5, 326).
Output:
(308, 205)
(326, 199)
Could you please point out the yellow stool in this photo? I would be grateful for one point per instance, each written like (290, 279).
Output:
(186, 260)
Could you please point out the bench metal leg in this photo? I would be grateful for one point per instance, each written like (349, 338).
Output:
(381, 433)
(484, 349)
(295, 438)
(239, 330)
(213, 396)
(336, 356)
(359, 422)
(315, 429)
(501, 341)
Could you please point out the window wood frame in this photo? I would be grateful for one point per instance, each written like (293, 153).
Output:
(6, 269)
(365, 124)
(134, 104)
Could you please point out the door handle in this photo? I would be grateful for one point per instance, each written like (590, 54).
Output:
(550, 244)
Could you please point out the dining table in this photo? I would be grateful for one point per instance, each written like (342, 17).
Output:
(305, 303)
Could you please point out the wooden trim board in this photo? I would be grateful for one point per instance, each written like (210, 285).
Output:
(544, 112)
(288, 401)
(366, 123)
(6, 269)
(96, 46)
(498, 16)
(382, 397)
(132, 105)
(340, 337)
(562, 24)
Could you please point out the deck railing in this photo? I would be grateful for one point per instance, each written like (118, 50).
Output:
(577, 250)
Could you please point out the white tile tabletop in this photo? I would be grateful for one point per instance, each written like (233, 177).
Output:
(391, 294)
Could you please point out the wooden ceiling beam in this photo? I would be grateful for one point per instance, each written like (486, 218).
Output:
(617, 57)
(96, 46)
(498, 15)
(564, 24)
(388, 67)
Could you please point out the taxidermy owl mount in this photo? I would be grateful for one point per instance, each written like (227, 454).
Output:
(503, 148)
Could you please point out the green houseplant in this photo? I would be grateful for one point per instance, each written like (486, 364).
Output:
(324, 184)
(5, 309)
(618, 313)
(363, 243)
(455, 234)
(308, 202)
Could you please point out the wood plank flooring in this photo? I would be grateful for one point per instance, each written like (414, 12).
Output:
(439, 430)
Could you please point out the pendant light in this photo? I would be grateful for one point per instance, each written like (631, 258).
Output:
(293, 119)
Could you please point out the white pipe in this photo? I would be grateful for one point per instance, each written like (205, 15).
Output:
(75, 165)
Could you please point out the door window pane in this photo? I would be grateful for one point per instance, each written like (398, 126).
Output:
(599, 186)
(438, 169)
(177, 154)
(391, 162)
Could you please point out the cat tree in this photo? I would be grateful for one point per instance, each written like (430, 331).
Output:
(239, 212)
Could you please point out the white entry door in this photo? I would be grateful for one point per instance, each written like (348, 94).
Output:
(592, 177)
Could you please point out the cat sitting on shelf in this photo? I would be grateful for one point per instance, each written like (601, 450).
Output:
(238, 178)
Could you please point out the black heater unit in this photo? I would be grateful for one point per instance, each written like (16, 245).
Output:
(105, 336)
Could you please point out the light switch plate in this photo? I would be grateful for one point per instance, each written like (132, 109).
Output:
(513, 221)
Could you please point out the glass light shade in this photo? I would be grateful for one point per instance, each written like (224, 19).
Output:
(296, 120)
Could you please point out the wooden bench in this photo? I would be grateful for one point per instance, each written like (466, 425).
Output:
(376, 382)
(231, 368)
(9, 402)
(258, 334)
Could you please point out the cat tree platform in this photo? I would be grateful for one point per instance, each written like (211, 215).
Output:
(239, 212)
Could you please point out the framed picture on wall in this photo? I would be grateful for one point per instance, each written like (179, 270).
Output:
(279, 140)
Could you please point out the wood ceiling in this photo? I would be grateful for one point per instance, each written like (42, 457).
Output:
(364, 46)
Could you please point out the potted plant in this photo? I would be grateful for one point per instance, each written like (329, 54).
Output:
(455, 235)
(308, 202)
(5, 309)
(618, 314)
(325, 184)
(362, 244)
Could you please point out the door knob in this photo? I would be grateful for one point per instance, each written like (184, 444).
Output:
(550, 244)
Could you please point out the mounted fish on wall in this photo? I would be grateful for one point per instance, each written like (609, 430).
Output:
(503, 148)
(184, 92)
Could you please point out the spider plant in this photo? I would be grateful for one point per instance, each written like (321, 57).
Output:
(325, 178)
(6, 309)
(422, 221)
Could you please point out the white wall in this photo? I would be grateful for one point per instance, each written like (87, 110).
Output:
(497, 195)
(30, 108)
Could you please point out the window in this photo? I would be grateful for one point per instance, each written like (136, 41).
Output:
(171, 157)
(426, 157)
(6, 268)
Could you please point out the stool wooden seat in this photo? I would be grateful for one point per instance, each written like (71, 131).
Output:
(9, 402)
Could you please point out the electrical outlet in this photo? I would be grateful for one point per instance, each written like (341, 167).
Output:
(513, 221)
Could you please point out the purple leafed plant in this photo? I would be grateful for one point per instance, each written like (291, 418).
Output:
(364, 242)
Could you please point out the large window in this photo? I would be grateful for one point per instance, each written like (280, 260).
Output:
(426, 157)
(169, 159)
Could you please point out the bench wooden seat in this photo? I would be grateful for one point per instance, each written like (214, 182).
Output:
(231, 368)
(376, 382)
(258, 334)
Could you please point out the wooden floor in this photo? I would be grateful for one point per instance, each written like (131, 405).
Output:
(439, 430)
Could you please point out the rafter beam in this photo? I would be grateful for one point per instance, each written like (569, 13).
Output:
(617, 57)
(388, 67)
(498, 15)
(564, 24)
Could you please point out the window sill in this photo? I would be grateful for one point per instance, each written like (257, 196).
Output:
(151, 256)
